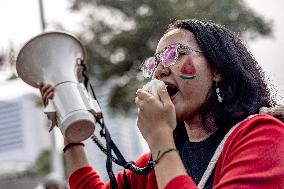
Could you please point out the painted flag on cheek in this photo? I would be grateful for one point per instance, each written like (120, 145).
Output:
(188, 70)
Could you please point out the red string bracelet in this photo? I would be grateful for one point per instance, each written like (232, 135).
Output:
(73, 144)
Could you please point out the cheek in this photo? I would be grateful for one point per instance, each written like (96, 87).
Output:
(188, 71)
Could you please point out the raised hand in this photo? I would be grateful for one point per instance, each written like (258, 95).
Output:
(46, 91)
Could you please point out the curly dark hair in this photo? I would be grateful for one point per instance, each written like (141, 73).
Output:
(243, 88)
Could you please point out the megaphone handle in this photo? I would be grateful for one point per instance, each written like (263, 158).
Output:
(50, 111)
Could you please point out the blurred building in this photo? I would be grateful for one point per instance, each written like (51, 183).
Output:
(23, 133)
(23, 130)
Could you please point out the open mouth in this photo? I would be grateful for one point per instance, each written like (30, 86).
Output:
(172, 90)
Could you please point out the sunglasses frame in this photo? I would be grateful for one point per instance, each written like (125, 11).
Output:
(158, 58)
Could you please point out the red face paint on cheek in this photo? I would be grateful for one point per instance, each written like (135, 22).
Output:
(188, 70)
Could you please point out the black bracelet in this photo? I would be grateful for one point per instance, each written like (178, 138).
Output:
(160, 155)
(73, 144)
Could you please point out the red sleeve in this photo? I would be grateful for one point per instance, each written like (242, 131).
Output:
(181, 182)
(253, 156)
(87, 178)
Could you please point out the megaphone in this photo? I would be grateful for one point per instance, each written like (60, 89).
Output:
(53, 58)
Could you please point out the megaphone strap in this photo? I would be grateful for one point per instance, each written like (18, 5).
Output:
(111, 147)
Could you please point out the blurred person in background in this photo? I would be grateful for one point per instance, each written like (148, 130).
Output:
(54, 184)
(52, 181)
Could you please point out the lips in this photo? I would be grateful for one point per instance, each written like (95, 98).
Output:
(172, 90)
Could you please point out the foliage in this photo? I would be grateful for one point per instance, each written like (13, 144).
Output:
(42, 165)
(7, 62)
(119, 34)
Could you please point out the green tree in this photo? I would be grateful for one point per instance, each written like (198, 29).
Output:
(42, 165)
(7, 61)
(119, 34)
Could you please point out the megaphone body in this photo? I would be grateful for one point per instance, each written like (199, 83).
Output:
(53, 58)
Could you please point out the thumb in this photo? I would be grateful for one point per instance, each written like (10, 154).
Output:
(164, 95)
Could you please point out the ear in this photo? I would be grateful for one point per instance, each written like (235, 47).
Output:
(217, 76)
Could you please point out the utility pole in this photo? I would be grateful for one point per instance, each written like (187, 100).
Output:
(56, 153)
(42, 19)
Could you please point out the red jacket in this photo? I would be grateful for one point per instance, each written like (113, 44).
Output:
(252, 157)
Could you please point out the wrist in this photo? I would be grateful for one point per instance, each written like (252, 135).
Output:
(72, 145)
(161, 143)
(163, 153)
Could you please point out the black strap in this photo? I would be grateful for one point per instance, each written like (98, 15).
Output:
(111, 147)
(126, 183)
(111, 175)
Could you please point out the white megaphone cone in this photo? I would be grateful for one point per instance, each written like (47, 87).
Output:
(53, 58)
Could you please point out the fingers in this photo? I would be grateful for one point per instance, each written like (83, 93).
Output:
(39, 85)
(136, 101)
(47, 92)
(142, 94)
(164, 95)
(142, 97)
(48, 96)
(46, 89)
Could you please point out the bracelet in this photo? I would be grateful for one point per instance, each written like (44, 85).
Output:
(73, 144)
(160, 155)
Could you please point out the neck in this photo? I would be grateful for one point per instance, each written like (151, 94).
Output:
(195, 131)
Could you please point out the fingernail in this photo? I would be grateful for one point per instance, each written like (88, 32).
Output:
(163, 88)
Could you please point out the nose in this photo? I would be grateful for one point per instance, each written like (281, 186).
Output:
(161, 72)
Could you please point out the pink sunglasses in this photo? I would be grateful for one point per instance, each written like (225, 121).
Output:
(167, 57)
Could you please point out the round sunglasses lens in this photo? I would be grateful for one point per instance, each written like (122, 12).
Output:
(149, 67)
(168, 56)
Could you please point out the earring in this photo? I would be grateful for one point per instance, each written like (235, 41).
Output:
(220, 99)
